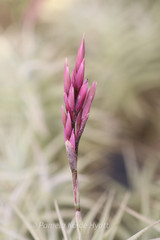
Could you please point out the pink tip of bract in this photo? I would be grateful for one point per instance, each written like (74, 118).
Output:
(64, 117)
(81, 96)
(71, 98)
(68, 127)
(81, 54)
(67, 79)
(72, 139)
(80, 75)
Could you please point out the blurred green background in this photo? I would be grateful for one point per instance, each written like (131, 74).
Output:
(119, 153)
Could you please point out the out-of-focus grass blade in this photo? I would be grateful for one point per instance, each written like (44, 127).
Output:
(35, 217)
(155, 239)
(65, 235)
(139, 234)
(54, 146)
(117, 218)
(12, 234)
(141, 217)
(26, 222)
(105, 214)
(70, 229)
(93, 212)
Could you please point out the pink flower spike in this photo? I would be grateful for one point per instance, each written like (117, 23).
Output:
(67, 79)
(68, 127)
(71, 98)
(80, 76)
(81, 96)
(81, 54)
(78, 99)
(64, 117)
(72, 139)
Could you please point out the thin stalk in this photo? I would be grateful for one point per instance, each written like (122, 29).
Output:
(76, 194)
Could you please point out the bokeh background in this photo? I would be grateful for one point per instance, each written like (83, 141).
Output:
(119, 154)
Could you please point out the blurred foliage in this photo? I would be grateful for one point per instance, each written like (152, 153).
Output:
(122, 55)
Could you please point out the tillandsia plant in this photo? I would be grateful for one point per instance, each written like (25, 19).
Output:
(78, 98)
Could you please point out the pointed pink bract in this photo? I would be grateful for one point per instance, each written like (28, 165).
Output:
(66, 103)
(81, 96)
(78, 121)
(92, 90)
(72, 139)
(80, 76)
(68, 127)
(81, 54)
(88, 101)
(71, 98)
(86, 108)
(73, 77)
